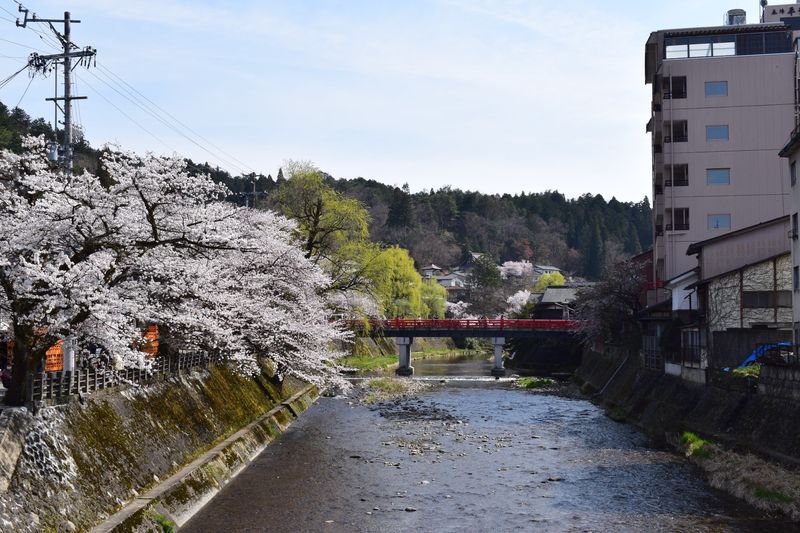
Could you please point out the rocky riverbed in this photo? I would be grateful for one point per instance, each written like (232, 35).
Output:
(473, 454)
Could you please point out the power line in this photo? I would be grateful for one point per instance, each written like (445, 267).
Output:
(128, 87)
(25, 46)
(26, 91)
(5, 82)
(167, 123)
(112, 104)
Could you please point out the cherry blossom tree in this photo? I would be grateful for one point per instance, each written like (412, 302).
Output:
(96, 263)
(517, 301)
(516, 269)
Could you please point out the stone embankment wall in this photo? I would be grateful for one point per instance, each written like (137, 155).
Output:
(665, 405)
(69, 467)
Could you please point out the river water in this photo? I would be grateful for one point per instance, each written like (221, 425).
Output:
(472, 454)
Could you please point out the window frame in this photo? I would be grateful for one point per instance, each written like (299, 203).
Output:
(713, 183)
(714, 84)
(718, 216)
(713, 127)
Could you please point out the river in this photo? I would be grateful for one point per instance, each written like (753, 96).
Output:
(470, 454)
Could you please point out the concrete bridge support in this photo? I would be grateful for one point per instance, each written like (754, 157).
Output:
(404, 349)
(498, 370)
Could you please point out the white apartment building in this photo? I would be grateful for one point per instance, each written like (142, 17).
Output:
(723, 106)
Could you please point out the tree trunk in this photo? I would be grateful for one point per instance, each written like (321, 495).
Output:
(25, 364)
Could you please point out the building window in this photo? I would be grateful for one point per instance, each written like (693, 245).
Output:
(719, 221)
(680, 219)
(677, 175)
(717, 133)
(716, 88)
(766, 299)
(718, 176)
(793, 173)
(675, 87)
(794, 226)
(796, 279)
(676, 131)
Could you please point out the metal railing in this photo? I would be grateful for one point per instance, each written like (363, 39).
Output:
(64, 384)
(652, 355)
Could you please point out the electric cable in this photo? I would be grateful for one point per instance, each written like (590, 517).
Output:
(26, 91)
(242, 164)
(166, 123)
(112, 104)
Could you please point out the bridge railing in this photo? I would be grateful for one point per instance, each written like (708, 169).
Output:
(463, 324)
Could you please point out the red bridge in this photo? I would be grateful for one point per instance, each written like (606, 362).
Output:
(498, 329)
(495, 327)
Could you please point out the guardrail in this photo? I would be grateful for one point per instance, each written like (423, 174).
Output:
(64, 384)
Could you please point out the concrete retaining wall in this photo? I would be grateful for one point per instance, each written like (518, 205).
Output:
(661, 404)
(80, 463)
(780, 382)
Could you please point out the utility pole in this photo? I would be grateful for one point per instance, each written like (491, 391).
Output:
(42, 63)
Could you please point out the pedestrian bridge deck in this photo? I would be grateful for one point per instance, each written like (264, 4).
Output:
(496, 327)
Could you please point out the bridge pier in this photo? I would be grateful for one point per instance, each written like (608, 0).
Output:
(404, 350)
(498, 370)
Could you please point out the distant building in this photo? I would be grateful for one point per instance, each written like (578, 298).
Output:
(430, 271)
(555, 303)
(723, 104)
(468, 262)
(456, 285)
(540, 270)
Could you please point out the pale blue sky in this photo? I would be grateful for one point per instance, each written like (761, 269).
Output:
(490, 95)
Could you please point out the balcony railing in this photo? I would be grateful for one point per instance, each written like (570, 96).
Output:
(677, 227)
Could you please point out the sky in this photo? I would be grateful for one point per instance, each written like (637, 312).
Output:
(499, 96)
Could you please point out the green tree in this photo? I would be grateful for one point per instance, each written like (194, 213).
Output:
(396, 284)
(434, 298)
(331, 228)
(485, 283)
(548, 280)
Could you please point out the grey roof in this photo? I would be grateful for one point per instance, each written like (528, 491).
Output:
(431, 267)
(547, 267)
(560, 295)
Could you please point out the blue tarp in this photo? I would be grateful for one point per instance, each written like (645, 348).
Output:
(761, 350)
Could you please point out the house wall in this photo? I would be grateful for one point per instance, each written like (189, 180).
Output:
(746, 248)
(724, 309)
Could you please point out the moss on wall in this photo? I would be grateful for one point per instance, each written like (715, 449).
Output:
(122, 443)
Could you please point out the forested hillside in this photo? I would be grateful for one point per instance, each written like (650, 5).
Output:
(438, 226)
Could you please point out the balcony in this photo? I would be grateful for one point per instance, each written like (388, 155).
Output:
(681, 182)
(656, 108)
(657, 149)
(659, 189)
(659, 230)
(676, 138)
(677, 227)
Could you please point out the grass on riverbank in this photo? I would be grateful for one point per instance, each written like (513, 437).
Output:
(761, 483)
(696, 446)
(366, 363)
(534, 382)
(380, 389)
